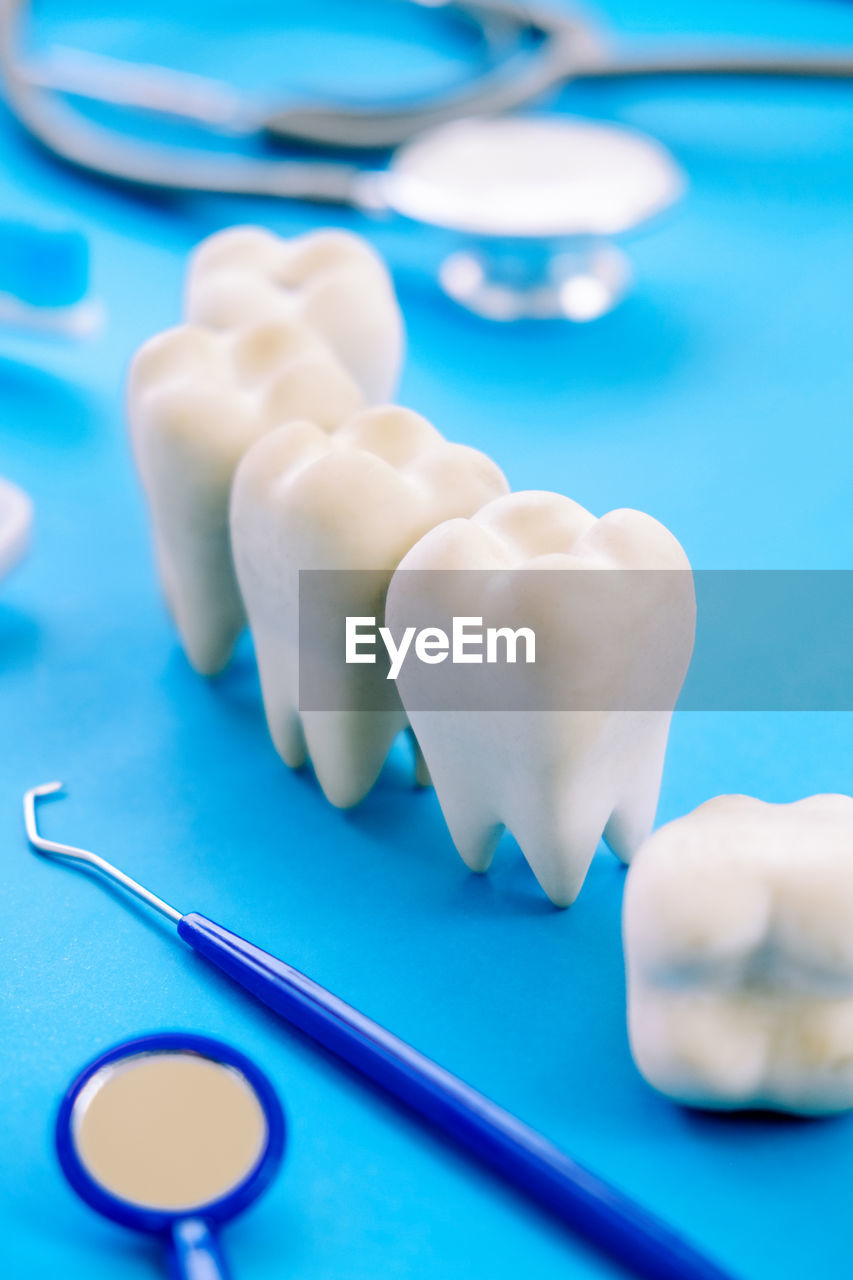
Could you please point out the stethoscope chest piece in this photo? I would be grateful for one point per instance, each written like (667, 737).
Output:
(535, 203)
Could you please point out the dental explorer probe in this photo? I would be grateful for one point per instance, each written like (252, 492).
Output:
(600, 1213)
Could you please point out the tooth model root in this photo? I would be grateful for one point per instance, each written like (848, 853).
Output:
(560, 839)
(205, 604)
(422, 773)
(476, 840)
(633, 817)
(562, 848)
(348, 749)
(288, 736)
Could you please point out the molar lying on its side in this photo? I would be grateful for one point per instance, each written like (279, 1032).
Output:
(738, 926)
(197, 400)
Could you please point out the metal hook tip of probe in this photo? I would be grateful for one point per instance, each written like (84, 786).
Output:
(46, 789)
(35, 793)
(85, 857)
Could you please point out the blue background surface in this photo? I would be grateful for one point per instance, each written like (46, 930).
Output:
(717, 398)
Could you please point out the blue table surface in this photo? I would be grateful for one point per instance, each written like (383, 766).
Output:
(718, 398)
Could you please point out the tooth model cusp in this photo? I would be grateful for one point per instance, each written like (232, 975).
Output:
(738, 928)
(332, 281)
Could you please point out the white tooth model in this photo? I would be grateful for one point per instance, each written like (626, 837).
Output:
(557, 779)
(738, 927)
(16, 517)
(197, 400)
(332, 281)
(357, 499)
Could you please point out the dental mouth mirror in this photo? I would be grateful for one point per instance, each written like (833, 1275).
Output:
(172, 1135)
(582, 1201)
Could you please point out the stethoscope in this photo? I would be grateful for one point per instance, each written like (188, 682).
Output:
(514, 269)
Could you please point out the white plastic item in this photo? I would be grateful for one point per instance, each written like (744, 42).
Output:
(738, 927)
(16, 517)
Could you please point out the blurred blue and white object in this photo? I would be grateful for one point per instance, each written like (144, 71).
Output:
(44, 280)
(503, 272)
(16, 518)
(534, 201)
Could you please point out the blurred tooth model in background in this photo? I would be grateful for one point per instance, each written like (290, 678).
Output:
(612, 650)
(739, 953)
(277, 330)
(197, 400)
(332, 281)
(355, 499)
(16, 517)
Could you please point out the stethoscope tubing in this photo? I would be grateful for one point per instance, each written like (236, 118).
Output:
(78, 142)
(568, 52)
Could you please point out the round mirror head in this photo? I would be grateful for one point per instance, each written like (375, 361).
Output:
(532, 176)
(170, 1126)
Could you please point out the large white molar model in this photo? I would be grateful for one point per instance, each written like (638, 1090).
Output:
(332, 281)
(197, 400)
(353, 500)
(739, 954)
(557, 779)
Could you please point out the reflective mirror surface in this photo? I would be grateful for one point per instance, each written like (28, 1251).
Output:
(168, 1130)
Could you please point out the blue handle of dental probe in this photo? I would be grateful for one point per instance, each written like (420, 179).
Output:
(600, 1213)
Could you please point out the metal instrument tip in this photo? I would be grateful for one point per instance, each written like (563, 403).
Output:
(84, 856)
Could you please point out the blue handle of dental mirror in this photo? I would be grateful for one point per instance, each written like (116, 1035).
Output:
(194, 1252)
(604, 1216)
